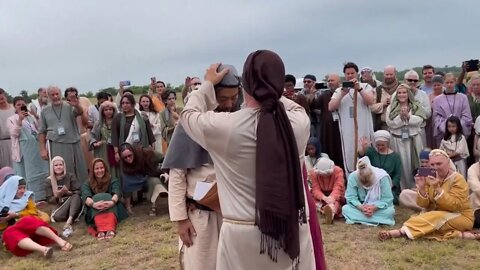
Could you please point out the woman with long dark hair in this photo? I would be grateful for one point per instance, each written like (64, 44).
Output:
(101, 195)
(140, 167)
(130, 126)
(148, 110)
(455, 145)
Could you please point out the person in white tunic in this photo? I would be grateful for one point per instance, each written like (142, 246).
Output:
(405, 117)
(455, 144)
(257, 153)
(342, 102)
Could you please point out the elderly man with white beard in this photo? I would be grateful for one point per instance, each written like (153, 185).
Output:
(369, 196)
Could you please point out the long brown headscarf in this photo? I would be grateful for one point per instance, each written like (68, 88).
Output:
(280, 204)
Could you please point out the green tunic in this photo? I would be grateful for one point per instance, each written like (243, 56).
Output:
(60, 126)
(392, 164)
(114, 188)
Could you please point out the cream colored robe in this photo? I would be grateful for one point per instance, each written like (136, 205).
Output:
(404, 147)
(203, 253)
(461, 148)
(473, 180)
(230, 138)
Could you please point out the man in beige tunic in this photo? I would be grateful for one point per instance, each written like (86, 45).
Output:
(251, 229)
(198, 226)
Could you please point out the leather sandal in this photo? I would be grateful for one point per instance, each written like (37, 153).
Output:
(48, 253)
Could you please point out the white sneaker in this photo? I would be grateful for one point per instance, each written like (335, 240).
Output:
(67, 231)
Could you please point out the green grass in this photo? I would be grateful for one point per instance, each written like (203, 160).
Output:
(145, 242)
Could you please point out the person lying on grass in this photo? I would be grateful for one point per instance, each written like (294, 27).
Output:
(27, 229)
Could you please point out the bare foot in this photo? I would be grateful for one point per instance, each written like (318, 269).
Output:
(386, 235)
(472, 235)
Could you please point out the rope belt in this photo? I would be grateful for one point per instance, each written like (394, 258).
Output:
(239, 222)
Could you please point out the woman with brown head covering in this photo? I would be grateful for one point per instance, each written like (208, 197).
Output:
(256, 152)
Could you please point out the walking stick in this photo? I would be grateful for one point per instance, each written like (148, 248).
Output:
(355, 126)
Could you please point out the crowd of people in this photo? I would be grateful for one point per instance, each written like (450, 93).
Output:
(229, 161)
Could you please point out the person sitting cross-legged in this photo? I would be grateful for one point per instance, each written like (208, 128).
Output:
(448, 214)
(382, 156)
(369, 196)
(328, 188)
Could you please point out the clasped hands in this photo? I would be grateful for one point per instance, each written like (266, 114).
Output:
(103, 205)
(368, 209)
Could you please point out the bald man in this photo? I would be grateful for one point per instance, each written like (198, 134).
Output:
(383, 96)
(330, 132)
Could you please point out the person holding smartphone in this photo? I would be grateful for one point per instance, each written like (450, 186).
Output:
(342, 101)
(445, 197)
(156, 93)
(23, 128)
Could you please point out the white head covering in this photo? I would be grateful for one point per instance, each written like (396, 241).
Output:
(381, 135)
(324, 166)
(374, 191)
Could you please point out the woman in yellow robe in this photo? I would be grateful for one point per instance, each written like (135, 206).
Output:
(448, 213)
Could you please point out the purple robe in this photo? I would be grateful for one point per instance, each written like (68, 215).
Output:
(445, 106)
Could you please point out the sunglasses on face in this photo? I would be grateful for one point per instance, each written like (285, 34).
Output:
(412, 80)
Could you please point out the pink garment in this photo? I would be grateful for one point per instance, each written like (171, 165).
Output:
(315, 229)
(333, 185)
(5, 171)
(15, 129)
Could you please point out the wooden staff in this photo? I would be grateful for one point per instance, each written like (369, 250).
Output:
(355, 126)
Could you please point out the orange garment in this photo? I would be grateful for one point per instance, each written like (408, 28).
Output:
(30, 210)
(158, 104)
(329, 186)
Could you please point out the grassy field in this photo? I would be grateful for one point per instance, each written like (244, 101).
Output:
(145, 242)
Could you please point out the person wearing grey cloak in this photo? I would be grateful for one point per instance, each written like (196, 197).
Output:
(198, 225)
(59, 135)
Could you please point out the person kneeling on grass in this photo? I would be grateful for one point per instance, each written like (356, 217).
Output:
(328, 188)
(449, 213)
(31, 232)
(369, 196)
(101, 194)
(140, 170)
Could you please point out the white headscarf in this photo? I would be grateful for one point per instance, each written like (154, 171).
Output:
(381, 135)
(374, 192)
(324, 166)
(53, 178)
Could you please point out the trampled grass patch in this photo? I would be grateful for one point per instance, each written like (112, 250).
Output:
(145, 242)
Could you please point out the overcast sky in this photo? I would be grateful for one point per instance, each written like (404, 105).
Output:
(93, 44)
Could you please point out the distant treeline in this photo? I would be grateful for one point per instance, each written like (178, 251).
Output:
(139, 90)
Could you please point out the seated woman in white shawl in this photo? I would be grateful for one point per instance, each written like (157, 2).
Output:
(369, 196)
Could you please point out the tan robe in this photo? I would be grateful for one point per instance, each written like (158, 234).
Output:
(203, 253)
(448, 213)
(230, 138)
